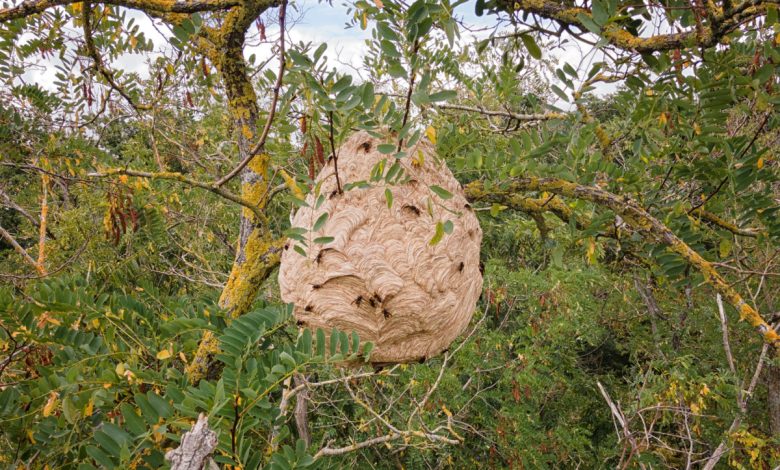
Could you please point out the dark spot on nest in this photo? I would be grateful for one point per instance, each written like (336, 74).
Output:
(481, 267)
(467, 206)
(286, 246)
(316, 286)
(422, 360)
(411, 209)
(308, 308)
(365, 146)
(386, 313)
(461, 266)
(372, 302)
(300, 323)
(358, 300)
(333, 194)
(322, 253)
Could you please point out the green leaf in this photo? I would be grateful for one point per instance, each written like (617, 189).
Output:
(320, 342)
(438, 235)
(323, 240)
(443, 95)
(531, 46)
(441, 192)
(393, 171)
(320, 222)
(367, 348)
(560, 93)
(589, 24)
(385, 148)
(389, 198)
(389, 49)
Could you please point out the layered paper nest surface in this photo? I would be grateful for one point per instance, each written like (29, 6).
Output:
(380, 276)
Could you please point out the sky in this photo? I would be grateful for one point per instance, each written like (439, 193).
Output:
(319, 22)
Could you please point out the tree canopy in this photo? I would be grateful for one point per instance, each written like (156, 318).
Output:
(622, 158)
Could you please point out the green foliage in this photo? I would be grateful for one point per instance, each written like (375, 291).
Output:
(575, 313)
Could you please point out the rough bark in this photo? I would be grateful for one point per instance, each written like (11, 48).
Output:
(194, 452)
(257, 251)
(301, 411)
(773, 397)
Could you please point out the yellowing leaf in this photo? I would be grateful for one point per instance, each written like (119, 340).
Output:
(164, 354)
(430, 133)
(379, 4)
(90, 406)
(760, 163)
(446, 411)
(591, 251)
(51, 404)
(418, 160)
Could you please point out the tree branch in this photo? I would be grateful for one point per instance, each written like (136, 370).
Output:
(173, 176)
(641, 220)
(12, 241)
(107, 74)
(706, 36)
(32, 7)
(507, 114)
(271, 113)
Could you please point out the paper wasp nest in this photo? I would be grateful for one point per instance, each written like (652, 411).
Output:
(380, 276)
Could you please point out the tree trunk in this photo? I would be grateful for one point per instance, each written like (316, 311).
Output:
(257, 253)
(773, 396)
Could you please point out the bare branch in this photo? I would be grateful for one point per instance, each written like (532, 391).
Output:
(724, 326)
(12, 241)
(507, 114)
(195, 449)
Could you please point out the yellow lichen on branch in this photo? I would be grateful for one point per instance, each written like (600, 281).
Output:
(720, 23)
(261, 256)
(32, 7)
(641, 220)
(724, 224)
(40, 263)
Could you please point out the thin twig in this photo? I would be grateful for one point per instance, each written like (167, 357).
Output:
(724, 326)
